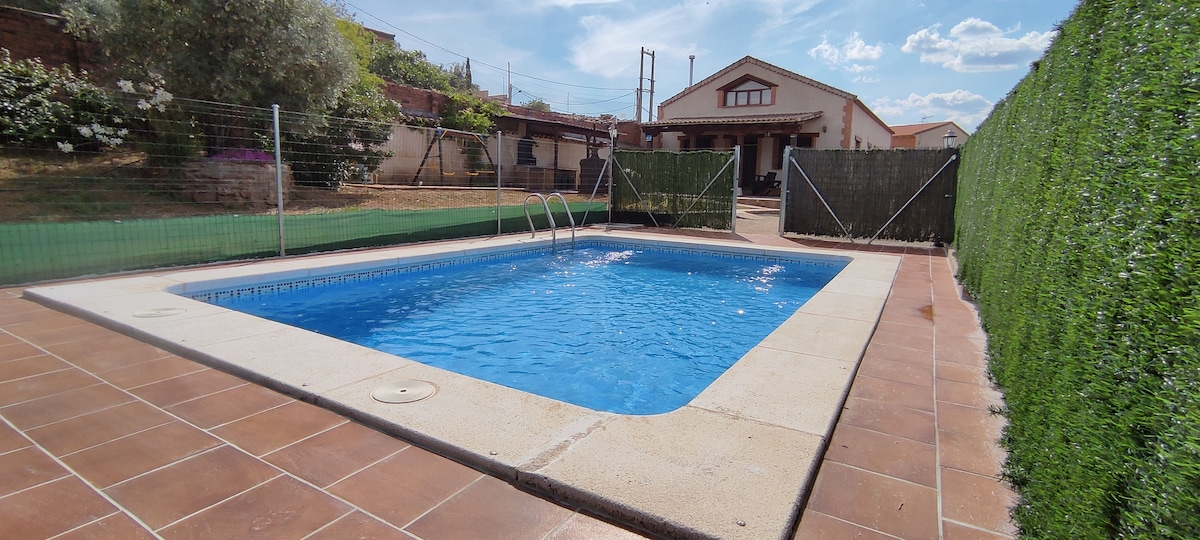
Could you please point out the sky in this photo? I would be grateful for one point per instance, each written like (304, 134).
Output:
(909, 61)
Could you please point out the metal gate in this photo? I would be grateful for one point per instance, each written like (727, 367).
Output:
(895, 194)
(682, 189)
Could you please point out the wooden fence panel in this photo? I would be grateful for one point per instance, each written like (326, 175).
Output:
(865, 188)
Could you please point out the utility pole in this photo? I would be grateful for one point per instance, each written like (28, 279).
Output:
(641, 86)
(510, 83)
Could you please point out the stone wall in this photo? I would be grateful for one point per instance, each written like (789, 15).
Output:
(233, 183)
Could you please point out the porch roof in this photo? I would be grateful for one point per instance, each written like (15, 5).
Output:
(717, 122)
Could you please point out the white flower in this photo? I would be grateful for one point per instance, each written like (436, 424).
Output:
(85, 131)
(66, 147)
(356, 146)
(122, 132)
(125, 86)
(143, 105)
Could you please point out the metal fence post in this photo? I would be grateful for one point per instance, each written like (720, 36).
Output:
(737, 177)
(278, 179)
(499, 176)
(783, 188)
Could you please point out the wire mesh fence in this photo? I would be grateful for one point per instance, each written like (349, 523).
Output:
(138, 179)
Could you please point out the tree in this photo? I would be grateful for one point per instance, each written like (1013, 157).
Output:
(247, 52)
(537, 104)
(408, 67)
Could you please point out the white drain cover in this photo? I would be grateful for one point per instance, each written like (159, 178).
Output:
(404, 391)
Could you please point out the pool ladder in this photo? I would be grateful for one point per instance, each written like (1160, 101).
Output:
(549, 216)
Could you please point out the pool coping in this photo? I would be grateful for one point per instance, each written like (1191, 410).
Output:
(736, 462)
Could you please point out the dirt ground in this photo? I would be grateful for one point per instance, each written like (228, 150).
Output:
(59, 187)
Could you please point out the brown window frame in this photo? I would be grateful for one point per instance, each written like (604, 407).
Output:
(729, 97)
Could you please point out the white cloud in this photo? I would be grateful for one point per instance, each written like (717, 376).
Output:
(610, 47)
(851, 50)
(962, 106)
(570, 3)
(975, 45)
(863, 79)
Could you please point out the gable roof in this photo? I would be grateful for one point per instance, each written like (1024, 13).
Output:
(913, 129)
(769, 67)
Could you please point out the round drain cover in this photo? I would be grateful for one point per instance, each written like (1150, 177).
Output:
(158, 312)
(404, 391)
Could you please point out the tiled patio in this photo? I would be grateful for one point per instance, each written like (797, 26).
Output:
(107, 437)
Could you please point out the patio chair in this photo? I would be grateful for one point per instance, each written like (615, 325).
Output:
(763, 183)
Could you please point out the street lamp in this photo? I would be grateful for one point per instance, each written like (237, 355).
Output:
(948, 139)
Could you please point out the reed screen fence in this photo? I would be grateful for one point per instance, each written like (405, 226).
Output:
(684, 189)
(867, 190)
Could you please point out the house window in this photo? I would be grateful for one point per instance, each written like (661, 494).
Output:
(748, 93)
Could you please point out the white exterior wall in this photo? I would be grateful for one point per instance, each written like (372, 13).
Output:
(873, 134)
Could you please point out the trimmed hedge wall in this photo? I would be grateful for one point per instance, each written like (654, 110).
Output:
(1079, 234)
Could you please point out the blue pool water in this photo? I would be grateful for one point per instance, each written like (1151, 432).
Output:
(619, 328)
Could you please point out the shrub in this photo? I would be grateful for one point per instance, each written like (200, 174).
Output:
(1079, 234)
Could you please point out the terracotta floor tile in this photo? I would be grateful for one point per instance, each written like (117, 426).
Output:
(186, 487)
(38, 412)
(75, 434)
(26, 468)
(907, 316)
(818, 526)
(105, 352)
(333, 455)
(958, 531)
(50, 509)
(490, 507)
(186, 387)
(904, 336)
(428, 480)
(30, 366)
(32, 321)
(150, 371)
(969, 420)
(962, 373)
(584, 527)
(46, 384)
(228, 405)
(280, 508)
(897, 371)
(913, 396)
(361, 526)
(117, 526)
(901, 355)
(124, 458)
(898, 457)
(976, 500)
(969, 453)
(271, 430)
(971, 395)
(890, 418)
(11, 439)
(58, 330)
(16, 349)
(957, 353)
(875, 501)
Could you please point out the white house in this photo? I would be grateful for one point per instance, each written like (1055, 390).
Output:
(764, 108)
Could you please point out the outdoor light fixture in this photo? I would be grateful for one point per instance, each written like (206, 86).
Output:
(948, 139)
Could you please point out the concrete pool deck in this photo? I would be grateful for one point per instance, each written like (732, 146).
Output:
(45, 356)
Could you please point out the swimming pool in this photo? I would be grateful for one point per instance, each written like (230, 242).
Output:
(615, 327)
(735, 462)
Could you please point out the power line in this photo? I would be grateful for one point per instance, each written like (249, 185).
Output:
(502, 70)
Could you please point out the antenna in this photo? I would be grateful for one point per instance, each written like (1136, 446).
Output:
(924, 118)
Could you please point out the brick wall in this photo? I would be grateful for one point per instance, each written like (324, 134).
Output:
(29, 34)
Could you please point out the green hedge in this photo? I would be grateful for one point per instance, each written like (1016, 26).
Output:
(1079, 233)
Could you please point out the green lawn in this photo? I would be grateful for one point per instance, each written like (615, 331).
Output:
(43, 251)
